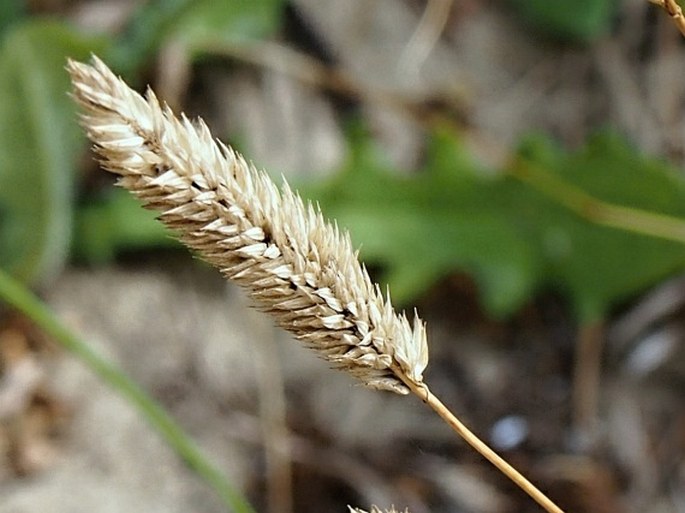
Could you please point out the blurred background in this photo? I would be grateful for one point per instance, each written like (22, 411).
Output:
(511, 168)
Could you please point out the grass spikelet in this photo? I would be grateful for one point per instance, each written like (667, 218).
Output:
(296, 266)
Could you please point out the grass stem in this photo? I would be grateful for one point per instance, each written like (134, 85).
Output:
(19, 297)
(423, 392)
(598, 211)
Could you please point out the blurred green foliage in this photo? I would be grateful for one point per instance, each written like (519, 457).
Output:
(191, 22)
(40, 141)
(510, 238)
(11, 11)
(451, 216)
(571, 20)
(109, 225)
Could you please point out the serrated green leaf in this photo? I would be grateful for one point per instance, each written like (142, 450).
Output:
(510, 238)
(600, 266)
(39, 143)
(425, 227)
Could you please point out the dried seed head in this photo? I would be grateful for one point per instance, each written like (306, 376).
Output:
(295, 265)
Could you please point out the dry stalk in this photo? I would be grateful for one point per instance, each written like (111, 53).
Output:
(426, 35)
(674, 11)
(293, 264)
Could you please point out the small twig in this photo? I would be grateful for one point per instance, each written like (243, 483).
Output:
(311, 71)
(426, 35)
(586, 380)
(352, 469)
(272, 413)
(674, 11)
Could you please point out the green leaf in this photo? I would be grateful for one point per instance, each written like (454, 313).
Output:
(600, 266)
(39, 144)
(229, 21)
(581, 20)
(454, 217)
(425, 227)
(11, 11)
(114, 224)
(140, 40)
(192, 22)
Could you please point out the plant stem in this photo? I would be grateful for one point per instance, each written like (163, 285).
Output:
(586, 380)
(272, 413)
(18, 296)
(598, 211)
(445, 414)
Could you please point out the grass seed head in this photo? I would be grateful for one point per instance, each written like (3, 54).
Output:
(295, 265)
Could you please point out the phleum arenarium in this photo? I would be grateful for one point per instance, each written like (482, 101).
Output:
(293, 263)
